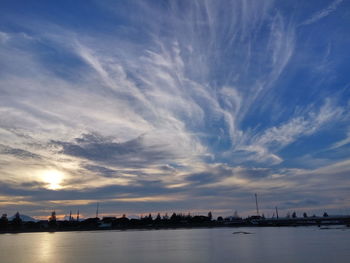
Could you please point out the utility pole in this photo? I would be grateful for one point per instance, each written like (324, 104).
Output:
(256, 202)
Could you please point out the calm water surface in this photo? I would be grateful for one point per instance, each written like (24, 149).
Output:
(285, 244)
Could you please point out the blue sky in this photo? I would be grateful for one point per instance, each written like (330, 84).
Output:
(162, 106)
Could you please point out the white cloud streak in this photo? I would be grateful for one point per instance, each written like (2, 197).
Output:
(322, 13)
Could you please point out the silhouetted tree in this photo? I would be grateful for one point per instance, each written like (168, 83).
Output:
(146, 220)
(220, 219)
(53, 219)
(158, 218)
(166, 217)
(304, 215)
(325, 214)
(3, 221)
(173, 217)
(17, 221)
(294, 215)
(210, 216)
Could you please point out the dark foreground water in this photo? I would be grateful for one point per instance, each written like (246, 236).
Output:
(285, 244)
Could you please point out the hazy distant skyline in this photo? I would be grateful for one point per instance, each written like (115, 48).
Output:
(185, 106)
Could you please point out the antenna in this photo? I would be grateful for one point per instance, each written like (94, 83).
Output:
(256, 202)
(98, 204)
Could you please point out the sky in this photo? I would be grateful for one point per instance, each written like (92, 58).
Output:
(174, 106)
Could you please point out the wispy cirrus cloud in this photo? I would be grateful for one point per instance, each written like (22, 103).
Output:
(342, 142)
(180, 98)
(276, 138)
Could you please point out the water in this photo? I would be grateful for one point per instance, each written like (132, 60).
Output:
(285, 244)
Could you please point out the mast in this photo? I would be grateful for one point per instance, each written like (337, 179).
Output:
(256, 203)
(98, 204)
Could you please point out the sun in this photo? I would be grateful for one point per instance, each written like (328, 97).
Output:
(53, 178)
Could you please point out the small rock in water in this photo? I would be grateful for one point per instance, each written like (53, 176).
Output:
(241, 232)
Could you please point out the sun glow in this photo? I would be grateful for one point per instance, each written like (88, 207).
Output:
(53, 178)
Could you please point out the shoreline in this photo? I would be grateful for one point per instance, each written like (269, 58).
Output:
(154, 228)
